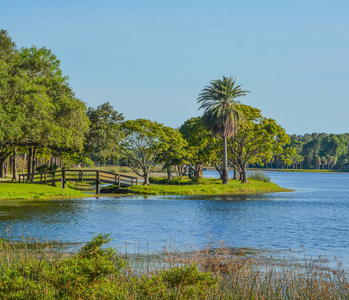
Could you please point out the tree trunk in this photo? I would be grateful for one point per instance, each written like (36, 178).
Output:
(235, 174)
(14, 165)
(225, 176)
(198, 170)
(244, 174)
(33, 161)
(219, 170)
(169, 175)
(29, 161)
(2, 166)
(146, 176)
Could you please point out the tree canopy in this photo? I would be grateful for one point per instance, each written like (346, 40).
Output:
(145, 144)
(201, 146)
(104, 134)
(37, 99)
(258, 139)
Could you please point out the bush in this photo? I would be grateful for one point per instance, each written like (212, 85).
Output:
(81, 276)
(185, 282)
(259, 176)
(44, 168)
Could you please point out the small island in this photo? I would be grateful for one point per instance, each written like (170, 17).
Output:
(201, 187)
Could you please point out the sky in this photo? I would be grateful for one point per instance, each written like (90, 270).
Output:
(151, 58)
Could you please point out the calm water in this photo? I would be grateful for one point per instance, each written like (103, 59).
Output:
(315, 216)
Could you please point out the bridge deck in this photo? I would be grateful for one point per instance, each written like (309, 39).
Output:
(79, 176)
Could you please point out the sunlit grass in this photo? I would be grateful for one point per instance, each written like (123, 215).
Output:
(14, 190)
(205, 186)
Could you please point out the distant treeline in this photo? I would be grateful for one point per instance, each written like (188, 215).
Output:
(321, 150)
(316, 151)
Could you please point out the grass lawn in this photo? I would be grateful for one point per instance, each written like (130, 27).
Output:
(13, 190)
(205, 186)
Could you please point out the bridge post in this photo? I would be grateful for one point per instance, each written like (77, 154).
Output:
(119, 180)
(97, 183)
(63, 179)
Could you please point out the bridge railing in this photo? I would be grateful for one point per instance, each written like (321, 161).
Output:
(63, 176)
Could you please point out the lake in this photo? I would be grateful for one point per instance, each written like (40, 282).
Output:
(315, 216)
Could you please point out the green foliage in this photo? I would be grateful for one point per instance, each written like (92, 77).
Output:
(173, 181)
(34, 271)
(37, 105)
(185, 282)
(221, 115)
(147, 143)
(321, 151)
(104, 135)
(176, 153)
(45, 168)
(84, 275)
(258, 140)
(201, 147)
(86, 161)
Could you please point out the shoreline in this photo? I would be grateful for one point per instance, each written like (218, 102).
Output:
(207, 187)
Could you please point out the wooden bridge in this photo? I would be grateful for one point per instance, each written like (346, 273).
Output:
(63, 176)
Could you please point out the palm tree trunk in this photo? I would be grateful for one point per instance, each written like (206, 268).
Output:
(225, 176)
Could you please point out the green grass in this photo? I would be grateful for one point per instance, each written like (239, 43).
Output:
(205, 186)
(13, 190)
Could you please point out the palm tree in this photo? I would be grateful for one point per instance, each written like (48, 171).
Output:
(221, 116)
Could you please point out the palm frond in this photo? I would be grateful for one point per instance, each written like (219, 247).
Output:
(218, 99)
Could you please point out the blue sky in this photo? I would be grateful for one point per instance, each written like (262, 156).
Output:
(151, 58)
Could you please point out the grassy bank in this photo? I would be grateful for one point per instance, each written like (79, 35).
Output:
(14, 190)
(99, 273)
(205, 186)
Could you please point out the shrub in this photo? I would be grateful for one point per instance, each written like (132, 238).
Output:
(81, 276)
(259, 176)
(185, 282)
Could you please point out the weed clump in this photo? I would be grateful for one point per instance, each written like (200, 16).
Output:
(259, 176)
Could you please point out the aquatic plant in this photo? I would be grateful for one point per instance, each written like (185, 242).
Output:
(32, 270)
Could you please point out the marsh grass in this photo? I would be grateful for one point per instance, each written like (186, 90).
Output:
(33, 270)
